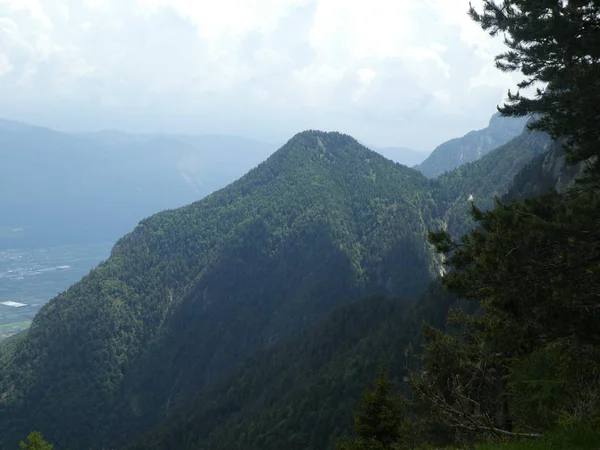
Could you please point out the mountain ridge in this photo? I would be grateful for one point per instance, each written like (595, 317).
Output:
(301, 395)
(81, 187)
(472, 146)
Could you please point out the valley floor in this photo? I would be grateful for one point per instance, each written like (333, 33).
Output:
(29, 278)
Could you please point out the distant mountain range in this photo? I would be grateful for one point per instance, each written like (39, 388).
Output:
(402, 155)
(81, 188)
(472, 146)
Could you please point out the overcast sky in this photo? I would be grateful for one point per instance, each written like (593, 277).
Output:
(407, 73)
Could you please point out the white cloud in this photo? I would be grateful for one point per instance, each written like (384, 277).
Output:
(389, 69)
(32, 7)
(5, 65)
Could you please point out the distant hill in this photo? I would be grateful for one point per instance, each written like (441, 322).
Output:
(85, 188)
(190, 292)
(472, 146)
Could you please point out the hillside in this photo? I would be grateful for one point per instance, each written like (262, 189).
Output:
(545, 172)
(483, 180)
(91, 188)
(472, 146)
(191, 292)
(300, 396)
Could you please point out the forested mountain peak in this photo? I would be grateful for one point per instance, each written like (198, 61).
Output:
(326, 146)
(190, 292)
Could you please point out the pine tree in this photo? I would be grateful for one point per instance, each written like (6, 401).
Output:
(534, 270)
(555, 44)
(35, 441)
(528, 359)
(380, 420)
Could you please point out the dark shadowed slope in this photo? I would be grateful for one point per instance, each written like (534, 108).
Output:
(301, 395)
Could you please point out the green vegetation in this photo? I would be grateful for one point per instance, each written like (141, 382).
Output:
(300, 395)
(491, 176)
(35, 441)
(381, 420)
(524, 367)
(581, 437)
(190, 293)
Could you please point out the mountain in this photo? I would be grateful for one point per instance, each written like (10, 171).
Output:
(402, 155)
(472, 146)
(301, 395)
(89, 188)
(189, 293)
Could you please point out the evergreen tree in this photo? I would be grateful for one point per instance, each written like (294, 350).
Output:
(35, 441)
(380, 420)
(530, 358)
(555, 44)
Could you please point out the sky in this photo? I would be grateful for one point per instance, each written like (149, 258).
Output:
(405, 73)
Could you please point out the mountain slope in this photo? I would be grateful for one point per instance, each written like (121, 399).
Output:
(190, 292)
(483, 180)
(301, 395)
(472, 146)
(543, 173)
(89, 188)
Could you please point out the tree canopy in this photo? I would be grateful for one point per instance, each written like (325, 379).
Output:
(35, 441)
(555, 45)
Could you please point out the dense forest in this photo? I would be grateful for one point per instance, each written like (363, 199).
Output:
(523, 366)
(259, 317)
(301, 395)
